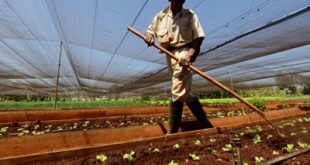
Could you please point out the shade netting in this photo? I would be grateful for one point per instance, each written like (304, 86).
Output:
(249, 43)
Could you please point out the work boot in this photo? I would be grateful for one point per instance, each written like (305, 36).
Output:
(199, 113)
(175, 116)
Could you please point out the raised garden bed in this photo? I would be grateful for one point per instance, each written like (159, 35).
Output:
(38, 127)
(258, 144)
(21, 123)
(25, 149)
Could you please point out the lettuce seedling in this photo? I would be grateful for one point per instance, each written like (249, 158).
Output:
(176, 146)
(129, 156)
(36, 126)
(227, 148)
(85, 124)
(289, 148)
(212, 140)
(172, 163)
(197, 142)
(219, 114)
(48, 126)
(275, 153)
(102, 158)
(194, 157)
(230, 113)
(258, 159)
(269, 136)
(306, 119)
(156, 150)
(257, 139)
(75, 125)
(304, 130)
(259, 128)
(303, 145)
(4, 129)
(213, 151)
(250, 130)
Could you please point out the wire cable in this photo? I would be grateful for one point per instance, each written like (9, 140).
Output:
(121, 42)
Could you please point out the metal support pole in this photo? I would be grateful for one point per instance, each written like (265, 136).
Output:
(236, 143)
(57, 81)
(231, 81)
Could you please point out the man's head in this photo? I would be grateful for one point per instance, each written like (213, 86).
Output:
(177, 3)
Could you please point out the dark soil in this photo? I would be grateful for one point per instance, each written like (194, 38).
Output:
(43, 127)
(296, 131)
(38, 127)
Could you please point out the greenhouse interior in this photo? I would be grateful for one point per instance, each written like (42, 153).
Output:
(80, 85)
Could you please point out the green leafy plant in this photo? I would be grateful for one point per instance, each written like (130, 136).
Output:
(37, 132)
(197, 142)
(129, 156)
(304, 130)
(75, 125)
(289, 148)
(176, 146)
(241, 133)
(275, 153)
(86, 123)
(300, 120)
(258, 159)
(194, 157)
(259, 128)
(36, 126)
(156, 150)
(259, 102)
(172, 163)
(213, 151)
(303, 145)
(230, 113)
(257, 139)
(250, 130)
(219, 114)
(25, 125)
(306, 119)
(4, 129)
(287, 124)
(102, 158)
(269, 136)
(212, 140)
(227, 148)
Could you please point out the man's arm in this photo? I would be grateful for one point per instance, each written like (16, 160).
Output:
(192, 52)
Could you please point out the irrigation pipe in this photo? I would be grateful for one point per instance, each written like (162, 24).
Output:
(288, 156)
(209, 78)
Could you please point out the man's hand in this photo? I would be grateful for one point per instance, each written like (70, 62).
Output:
(186, 60)
(149, 39)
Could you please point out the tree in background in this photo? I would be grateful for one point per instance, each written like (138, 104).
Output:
(306, 89)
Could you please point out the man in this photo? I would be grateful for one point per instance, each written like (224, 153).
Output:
(179, 31)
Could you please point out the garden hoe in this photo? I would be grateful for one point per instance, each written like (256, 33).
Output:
(209, 78)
